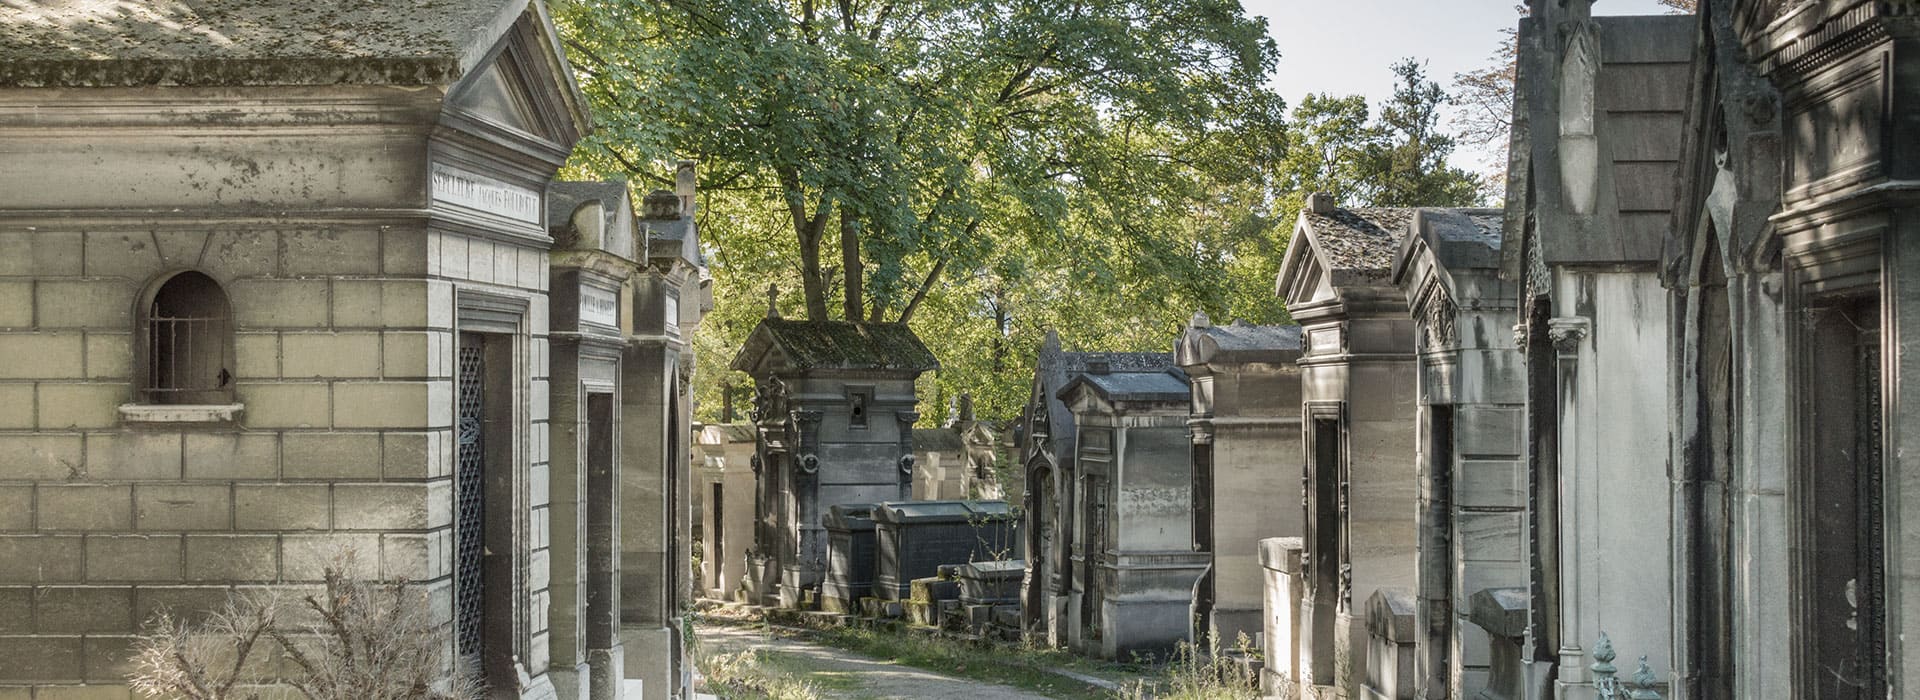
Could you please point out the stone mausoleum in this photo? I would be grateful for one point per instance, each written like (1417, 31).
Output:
(1133, 564)
(1357, 376)
(1046, 435)
(1245, 456)
(835, 408)
(723, 492)
(1705, 256)
(285, 285)
(1470, 455)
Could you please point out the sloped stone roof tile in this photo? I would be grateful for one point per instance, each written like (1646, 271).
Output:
(242, 42)
(1360, 241)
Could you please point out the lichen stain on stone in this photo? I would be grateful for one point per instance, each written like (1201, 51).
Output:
(1153, 500)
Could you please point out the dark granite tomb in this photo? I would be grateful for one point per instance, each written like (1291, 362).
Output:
(850, 557)
(916, 538)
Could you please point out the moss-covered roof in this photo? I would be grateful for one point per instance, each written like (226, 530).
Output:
(1359, 241)
(245, 42)
(809, 345)
(943, 440)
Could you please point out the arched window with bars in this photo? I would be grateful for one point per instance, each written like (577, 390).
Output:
(186, 341)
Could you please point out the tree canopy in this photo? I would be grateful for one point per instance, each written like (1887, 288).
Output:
(984, 169)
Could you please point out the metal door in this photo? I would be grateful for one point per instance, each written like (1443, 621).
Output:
(470, 502)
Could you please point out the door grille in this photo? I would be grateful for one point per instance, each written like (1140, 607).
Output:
(470, 505)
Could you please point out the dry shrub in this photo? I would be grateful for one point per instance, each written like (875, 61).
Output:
(207, 661)
(352, 640)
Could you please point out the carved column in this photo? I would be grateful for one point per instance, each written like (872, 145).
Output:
(809, 534)
(906, 461)
(1569, 335)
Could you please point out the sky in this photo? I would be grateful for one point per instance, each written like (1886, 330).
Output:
(1346, 46)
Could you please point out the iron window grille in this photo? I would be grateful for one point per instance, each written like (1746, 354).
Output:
(187, 351)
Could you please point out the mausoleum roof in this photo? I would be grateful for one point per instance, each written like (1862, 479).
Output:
(808, 345)
(1358, 241)
(1239, 341)
(247, 42)
(1241, 335)
(1074, 363)
(616, 211)
(1165, 384)
(942, 512)
(1055, 368)
(1458, 239)
(937, 440)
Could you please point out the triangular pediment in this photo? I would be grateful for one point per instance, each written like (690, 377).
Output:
(1303, 274)
(497, 96)
(522, 87)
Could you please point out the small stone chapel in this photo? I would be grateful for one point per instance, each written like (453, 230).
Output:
(834, 407)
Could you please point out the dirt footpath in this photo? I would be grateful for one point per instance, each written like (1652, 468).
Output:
(861, 677)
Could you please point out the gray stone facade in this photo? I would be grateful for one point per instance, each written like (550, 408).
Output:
(1789, 272)
(1244, 427)
(1133, 566)
(723, 495)
(1048, 434)
(592, 261)
(835, 409)
(1593, 313)
(272, 299)
(1358, 384)
(1472, 432)
(669, 296)
(1736, 218)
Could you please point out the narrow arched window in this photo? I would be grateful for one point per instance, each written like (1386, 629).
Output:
(187, 342)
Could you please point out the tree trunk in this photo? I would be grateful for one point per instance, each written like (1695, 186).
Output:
(813, 281)
(999, 331)
(806, 232)
(906, 314)
(855, 280)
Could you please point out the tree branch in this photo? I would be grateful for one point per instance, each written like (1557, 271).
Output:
(933, 276)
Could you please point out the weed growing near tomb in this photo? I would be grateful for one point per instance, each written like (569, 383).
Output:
(207, 661)
(1191, 676)
(753, 674)
(1025, 667)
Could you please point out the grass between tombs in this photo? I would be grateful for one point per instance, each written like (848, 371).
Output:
(773, 675)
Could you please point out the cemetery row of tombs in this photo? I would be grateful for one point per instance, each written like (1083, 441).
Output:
(1648, 409)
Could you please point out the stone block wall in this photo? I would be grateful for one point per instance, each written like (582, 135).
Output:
(343, 344)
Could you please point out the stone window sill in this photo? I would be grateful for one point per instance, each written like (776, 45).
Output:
(181, 413)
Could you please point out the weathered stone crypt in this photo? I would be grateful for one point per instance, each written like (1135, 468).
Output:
(289, 294)
(835, 408)
(1358, 381)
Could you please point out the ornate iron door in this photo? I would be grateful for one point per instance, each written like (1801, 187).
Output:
(470, 503)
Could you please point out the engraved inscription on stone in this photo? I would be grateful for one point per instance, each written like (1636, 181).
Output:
(459, 187)
(599, 306)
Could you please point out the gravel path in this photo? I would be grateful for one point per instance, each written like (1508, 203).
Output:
(881, 680)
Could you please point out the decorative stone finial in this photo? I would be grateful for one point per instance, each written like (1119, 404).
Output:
(1605, 684)
(1200, 320)
(1321, 203)
(661, 205)
(1643, 681)
(773, 300)
(683, 185)
(1052, 341)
